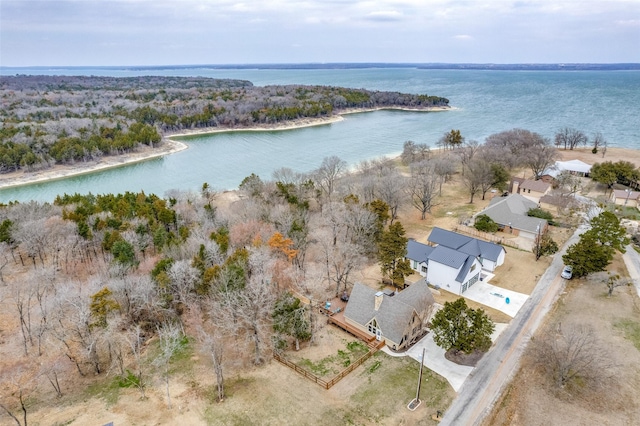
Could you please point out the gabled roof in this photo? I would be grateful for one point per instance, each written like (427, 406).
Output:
(465, 244)
(513, 210)
(450, 257)
(454, 259)
(535, 185)
(571, 165)
(418, 251)
(625, 195)
(394, 313)
(447, 238)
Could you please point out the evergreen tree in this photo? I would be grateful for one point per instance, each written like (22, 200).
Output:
(460, 328)
(587, 256)
(290, 317)
(392, 250)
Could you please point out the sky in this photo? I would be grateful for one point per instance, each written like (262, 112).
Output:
(186, 32)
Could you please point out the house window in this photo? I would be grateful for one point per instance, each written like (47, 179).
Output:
(473, 267)
(373, 326)
(414, 264)
(424, 269)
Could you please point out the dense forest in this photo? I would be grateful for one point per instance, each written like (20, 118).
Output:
(49, 120)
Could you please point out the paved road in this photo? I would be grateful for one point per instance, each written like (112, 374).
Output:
(484, 385)
(632, 261)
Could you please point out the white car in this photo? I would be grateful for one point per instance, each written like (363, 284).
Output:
(567, 272)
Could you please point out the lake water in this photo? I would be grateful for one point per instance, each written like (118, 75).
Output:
(485, 102)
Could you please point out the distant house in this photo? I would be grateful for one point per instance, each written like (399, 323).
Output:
(510, 213)
(530, 189)
(399, 319)
(625, 197)
(575, 167)
(453, 261)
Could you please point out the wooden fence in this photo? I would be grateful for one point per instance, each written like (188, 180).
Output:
(328, 384)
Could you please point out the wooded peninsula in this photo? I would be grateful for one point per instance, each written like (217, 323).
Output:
(59, 120)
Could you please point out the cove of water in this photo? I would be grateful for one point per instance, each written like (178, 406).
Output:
(485, 102)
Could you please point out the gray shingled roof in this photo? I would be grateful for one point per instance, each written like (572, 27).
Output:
(513, 209)
(394, 312)
(418, 251)
(466, 244)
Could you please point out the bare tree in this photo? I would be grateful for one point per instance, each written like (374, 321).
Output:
(478, 179)
(614, 281)
(183, 278)
(422, 187)
(328, 173)
(540, 159)
(170, 335)
(252, 308)
(570, 138)
(391, 190)
(444, 167)
(568, 183)
(573, 358)
(467, 153)
(18, 385)
(135, 338)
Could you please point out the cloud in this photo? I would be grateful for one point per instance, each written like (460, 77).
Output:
(464, 37)
(628, 22)
(384, 16)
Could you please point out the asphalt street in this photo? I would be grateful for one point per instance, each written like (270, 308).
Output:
(485, 383)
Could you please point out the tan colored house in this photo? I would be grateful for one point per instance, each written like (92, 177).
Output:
(625, 197)
(530, 189)
(400, 318)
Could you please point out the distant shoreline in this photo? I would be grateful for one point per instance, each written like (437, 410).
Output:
(576, 66)
(171, 146)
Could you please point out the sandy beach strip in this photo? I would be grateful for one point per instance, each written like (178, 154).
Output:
(170, 145)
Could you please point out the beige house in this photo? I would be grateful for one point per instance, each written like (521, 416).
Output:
(625, 197)
(398, 318)
(530, 189)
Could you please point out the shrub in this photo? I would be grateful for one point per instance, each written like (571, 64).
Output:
(485, 224)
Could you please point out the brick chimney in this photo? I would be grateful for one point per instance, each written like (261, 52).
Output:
(378, 301)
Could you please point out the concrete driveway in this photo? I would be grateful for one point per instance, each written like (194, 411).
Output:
(496, 297)
(435, 360)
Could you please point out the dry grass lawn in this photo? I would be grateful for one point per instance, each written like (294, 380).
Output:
(531, 399)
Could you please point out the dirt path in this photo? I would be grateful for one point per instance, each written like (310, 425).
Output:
(483, 387)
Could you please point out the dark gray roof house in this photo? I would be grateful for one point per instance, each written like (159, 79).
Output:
(399, 319)
(465, 244)
(418, 251)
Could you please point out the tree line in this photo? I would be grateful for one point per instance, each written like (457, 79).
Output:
(60, 119)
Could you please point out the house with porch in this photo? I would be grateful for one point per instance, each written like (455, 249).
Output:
(398, 318)
(453, 261)
(575, 167)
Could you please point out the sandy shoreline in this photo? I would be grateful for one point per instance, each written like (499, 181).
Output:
(170, 146)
